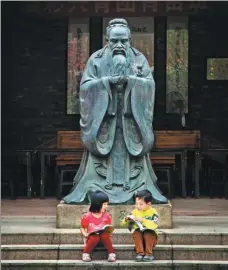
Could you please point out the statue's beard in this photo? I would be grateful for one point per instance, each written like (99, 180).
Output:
(119, 64)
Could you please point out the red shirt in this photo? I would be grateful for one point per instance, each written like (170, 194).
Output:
(89, 220)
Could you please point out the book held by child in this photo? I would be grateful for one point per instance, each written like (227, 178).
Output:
(92, 228)
(141, 227)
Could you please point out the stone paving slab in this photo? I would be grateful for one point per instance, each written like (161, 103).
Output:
(123, 252)
(120, 237)
(181, 207)
(41, 230)
(118, 265)
(19, 224)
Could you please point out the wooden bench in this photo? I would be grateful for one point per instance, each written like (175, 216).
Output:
(172, 139)
(72, 140)
(163, 140)
(75, 159)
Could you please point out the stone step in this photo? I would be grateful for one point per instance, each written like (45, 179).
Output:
(118, 265)
(120, 236)
(123, 252)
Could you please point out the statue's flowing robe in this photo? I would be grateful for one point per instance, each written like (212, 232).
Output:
(116, 131)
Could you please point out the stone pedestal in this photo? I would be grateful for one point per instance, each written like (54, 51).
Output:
(69, 216)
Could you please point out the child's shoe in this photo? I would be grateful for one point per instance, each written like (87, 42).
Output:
(138, 258)
(148, 258)
(112, 257)
(86, 257)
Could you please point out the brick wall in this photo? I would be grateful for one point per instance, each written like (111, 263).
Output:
(34, 83)
(208, 100)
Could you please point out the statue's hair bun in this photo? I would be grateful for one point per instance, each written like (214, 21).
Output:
(118, 21)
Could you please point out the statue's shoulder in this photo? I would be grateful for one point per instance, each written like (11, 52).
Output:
(136, 52)
(98, 54)
(138, 55)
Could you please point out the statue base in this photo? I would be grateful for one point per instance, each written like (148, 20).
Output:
(68, 216)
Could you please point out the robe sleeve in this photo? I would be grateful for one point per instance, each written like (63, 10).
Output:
(95, 103)
(138, 130)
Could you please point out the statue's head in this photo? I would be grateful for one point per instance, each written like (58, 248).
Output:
(118, 37)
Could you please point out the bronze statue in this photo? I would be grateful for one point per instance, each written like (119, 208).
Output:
(116, 105)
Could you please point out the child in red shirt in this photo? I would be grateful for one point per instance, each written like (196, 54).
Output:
(96, 217)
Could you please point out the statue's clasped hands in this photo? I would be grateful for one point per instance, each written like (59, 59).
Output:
(116, 79)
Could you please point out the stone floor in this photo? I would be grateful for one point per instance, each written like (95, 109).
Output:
(181, 207)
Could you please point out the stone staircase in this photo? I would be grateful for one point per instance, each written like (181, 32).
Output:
(61, 249)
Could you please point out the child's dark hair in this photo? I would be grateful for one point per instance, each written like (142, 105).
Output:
(97, 199)
(145, 195)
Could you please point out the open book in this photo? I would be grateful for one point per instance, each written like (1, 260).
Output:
(95, 229)
(131, 221)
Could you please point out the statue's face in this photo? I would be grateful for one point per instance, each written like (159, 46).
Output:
(119, 41)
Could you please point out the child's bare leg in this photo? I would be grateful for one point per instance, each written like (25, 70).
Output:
(138, 240)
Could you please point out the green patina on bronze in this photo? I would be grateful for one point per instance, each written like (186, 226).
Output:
(117, 93)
